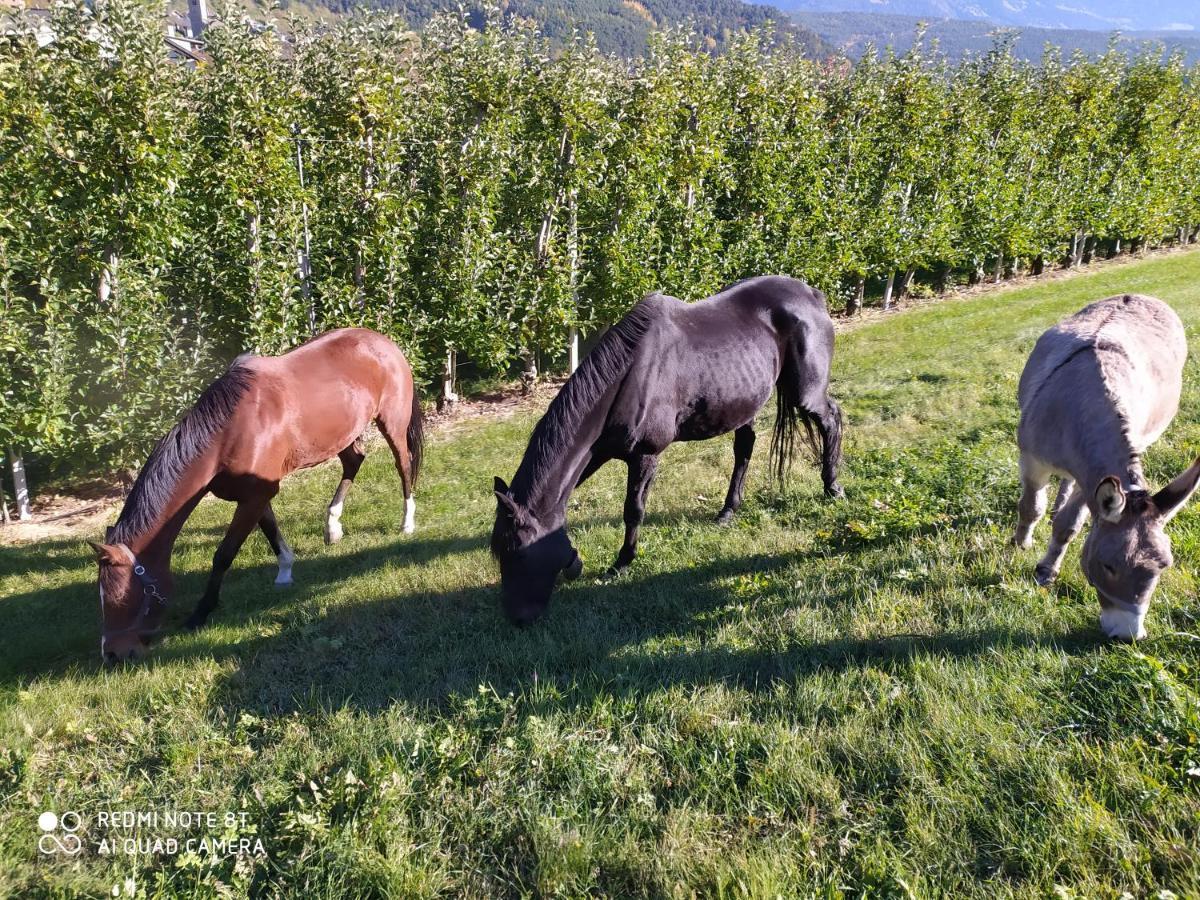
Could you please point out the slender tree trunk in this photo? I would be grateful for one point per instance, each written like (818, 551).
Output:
(943, 283)
(24, 513)
(999, 268)
(855, 301)
(888, 288)
(573, 234)
(1039, 265)
(905, 284)
(449, 377)
(4, 519)
(304, 255)
(529, 376)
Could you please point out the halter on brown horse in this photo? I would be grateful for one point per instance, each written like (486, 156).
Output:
(264, 418)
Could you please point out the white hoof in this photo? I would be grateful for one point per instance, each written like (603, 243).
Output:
(333, 532)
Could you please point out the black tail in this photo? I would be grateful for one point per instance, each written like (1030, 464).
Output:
(416, 437)
(791, 414)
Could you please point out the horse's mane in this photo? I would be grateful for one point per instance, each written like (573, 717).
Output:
(174, 453)
(607, 362)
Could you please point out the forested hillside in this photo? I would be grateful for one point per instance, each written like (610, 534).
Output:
(619, 26)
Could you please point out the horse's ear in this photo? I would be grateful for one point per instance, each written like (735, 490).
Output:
(109, 531)
(505, 501)
(106, 553)
(499, 486)
(1171, 499)
(1110, 499)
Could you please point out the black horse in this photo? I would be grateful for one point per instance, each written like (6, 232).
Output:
(669, 371)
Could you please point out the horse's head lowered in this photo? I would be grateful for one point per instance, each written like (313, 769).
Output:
(1127, 549)
(531, 557)
(133, 599)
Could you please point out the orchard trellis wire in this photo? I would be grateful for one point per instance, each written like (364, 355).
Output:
(479, 196)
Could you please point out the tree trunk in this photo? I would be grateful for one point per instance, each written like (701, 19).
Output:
(888, 288)
(1039, 265)
(855, 301)
(905, 283)
(944, 279)
(24, 513)
(529, 376)
(572, 350)
(999, 268)
(4, 519)
(449, 376)
(304, 255)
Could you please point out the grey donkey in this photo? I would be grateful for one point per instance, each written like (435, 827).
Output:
(1099, 388)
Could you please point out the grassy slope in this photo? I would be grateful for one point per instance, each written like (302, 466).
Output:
(865, 697)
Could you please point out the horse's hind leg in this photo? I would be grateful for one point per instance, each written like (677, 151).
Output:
(641, 473)
(743, 447)
(245, 518)
(393, 424)
(283, 553)
(352, 459)
(1032, 506)
(1070, 511)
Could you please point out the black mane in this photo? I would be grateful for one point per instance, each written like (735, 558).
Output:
(607, 363)
(174, 453)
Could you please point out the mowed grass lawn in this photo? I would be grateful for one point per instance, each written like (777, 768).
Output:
(868, 698)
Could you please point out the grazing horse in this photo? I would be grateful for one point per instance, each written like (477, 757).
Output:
(264, 418)
(669, 371)
(1099, 388)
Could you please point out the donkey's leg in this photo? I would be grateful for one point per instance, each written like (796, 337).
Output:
(1032, 506)
(829, 426)
(1070, 512)
(245, 518)
(352, 459)
(283, 553)
(393, 423)
(641, 473)
(743, 447)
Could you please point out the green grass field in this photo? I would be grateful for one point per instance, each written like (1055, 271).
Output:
(869, 698)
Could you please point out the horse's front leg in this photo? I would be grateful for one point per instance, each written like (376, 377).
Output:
(641, 473)
(283, 553)
(245, 518)
(743, 447)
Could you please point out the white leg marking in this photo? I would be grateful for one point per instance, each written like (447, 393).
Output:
(1123, 624)
(333, 524)
(410, 515)
(286, 558)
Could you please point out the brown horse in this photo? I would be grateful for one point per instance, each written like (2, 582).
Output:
(264, 418)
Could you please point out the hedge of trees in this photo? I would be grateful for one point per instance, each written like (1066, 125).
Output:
(477, 196)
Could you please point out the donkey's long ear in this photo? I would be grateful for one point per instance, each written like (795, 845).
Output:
(1170, 499)
(1110, 499)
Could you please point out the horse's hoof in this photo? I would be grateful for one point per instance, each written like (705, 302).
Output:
(282, 581)
(1043, 575)
(333, 535)
(575, 569)
(725, 517)
(835, 492)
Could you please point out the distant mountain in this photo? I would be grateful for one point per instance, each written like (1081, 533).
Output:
(1100, 15)
(852, 32)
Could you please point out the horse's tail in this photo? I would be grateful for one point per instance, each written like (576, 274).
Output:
(791, 414)
(415, 437)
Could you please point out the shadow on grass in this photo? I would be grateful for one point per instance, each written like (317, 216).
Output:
(627, 637)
